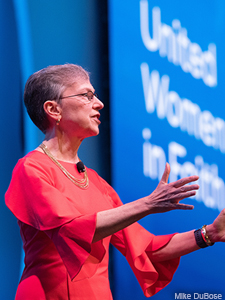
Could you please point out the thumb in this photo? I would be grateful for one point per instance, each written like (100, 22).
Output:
(166, 173)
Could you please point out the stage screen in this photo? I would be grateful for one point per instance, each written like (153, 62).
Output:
(167, 105)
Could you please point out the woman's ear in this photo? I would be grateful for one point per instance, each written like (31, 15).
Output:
(52, 109)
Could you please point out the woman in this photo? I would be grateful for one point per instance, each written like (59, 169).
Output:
(68, 217)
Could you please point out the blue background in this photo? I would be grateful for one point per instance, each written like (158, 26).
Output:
(201, 271)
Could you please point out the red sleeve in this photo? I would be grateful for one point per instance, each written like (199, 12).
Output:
(73, 241)
(33, 198)
(136, 244)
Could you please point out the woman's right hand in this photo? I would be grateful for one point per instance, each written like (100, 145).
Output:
(166, 196)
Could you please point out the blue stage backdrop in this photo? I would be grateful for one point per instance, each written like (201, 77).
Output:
(11, 132)
(167, 104)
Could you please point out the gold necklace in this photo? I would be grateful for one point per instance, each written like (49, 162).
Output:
(81, 183)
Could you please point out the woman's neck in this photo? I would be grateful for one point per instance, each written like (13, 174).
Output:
(63, 148)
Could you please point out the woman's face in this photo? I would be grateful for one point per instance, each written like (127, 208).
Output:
(80, 115)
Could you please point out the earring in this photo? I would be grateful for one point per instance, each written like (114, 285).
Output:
(58, 121)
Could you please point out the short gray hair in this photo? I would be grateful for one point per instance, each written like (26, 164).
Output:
(49, 84)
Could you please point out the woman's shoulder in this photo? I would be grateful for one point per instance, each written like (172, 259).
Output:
(104, 186)
(32, 162)
(34, 155)
(96, 177)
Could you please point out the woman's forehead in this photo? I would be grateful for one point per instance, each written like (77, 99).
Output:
(81, 84)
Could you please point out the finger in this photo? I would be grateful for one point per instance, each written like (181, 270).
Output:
(185, 180)
(183, 206)
(187, 188)
(182, 195)
(166, 173)
(180, 206)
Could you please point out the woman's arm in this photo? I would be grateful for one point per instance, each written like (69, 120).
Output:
(179, 245)
(165, 198)
(184, 243)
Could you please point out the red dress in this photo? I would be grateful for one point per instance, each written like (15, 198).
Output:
(57, 222)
